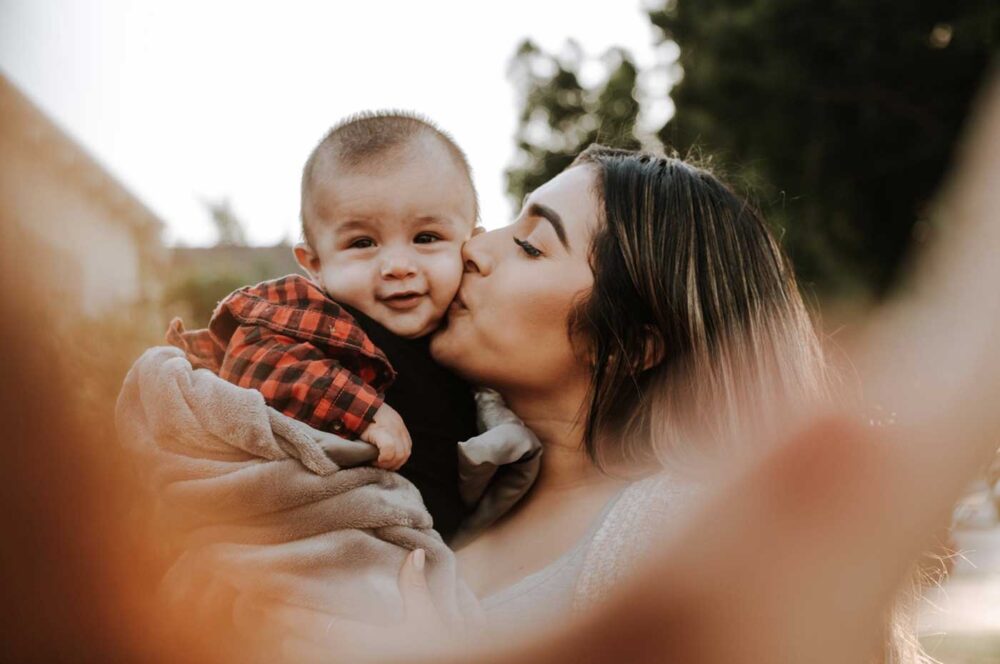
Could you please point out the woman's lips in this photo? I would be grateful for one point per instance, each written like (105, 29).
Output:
(403, 301)
(457, 306)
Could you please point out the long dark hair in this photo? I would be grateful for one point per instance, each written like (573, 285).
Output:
(695, 328)
(693, 302)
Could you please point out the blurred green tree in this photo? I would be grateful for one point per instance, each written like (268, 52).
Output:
(229, 229)
(841, 117)
(560, 116)
(842, 114)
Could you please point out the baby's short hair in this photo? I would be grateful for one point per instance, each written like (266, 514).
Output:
(371, 139)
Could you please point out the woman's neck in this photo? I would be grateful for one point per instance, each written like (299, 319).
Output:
(558, 422)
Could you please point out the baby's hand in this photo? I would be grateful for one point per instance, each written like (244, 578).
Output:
(388, 433)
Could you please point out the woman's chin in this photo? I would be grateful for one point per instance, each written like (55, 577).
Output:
(444, 345)
(458, 345)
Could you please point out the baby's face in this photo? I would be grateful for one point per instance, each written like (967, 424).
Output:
(390, 243)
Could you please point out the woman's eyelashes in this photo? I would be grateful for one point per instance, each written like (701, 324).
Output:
(531, 250)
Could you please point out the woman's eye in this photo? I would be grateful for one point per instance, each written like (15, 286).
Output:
(426, 238)
(528, 248)
(362, 243)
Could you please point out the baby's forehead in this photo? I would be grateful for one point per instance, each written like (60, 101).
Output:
(394, 198)
(410, 189)
(416, 155)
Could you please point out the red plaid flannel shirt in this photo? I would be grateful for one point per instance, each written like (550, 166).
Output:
(300, 349)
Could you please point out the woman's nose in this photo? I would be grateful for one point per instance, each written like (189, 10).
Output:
(476, 254)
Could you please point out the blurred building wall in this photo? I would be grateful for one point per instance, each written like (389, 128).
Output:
(94, 245)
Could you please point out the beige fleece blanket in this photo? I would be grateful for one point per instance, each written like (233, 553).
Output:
(257, 504)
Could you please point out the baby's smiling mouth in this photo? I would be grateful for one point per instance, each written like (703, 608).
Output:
(403, 299)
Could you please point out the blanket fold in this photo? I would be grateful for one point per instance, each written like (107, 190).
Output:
(255, 503)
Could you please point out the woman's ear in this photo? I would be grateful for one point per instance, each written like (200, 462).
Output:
(307, 260)
(655, 348)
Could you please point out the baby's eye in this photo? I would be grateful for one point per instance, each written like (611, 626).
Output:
(426, 238)
(362, 243)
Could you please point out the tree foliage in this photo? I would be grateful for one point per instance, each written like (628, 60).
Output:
(841, 117)
(560, 116)
(845, 113)
(229, 229)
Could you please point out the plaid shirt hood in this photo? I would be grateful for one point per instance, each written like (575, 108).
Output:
(302, 350)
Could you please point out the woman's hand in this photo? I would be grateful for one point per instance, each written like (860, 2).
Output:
(314, 636)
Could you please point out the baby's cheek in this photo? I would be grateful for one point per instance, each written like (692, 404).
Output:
(348, 284)
(445, 275)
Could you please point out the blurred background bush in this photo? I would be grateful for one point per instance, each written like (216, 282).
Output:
(838, 118)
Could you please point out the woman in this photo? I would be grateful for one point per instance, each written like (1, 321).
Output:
(628, 284)
(637, 315)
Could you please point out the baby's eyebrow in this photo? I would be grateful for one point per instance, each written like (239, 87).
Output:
(352, 225)
(432, 219)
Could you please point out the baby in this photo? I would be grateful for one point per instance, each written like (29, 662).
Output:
(387, 202)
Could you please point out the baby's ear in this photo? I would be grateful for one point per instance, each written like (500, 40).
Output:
(307, 259)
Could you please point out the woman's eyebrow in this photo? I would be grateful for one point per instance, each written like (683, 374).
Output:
(550, 215)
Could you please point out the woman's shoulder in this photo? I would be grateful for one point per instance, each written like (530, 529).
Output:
(629, 528)
(644, 504)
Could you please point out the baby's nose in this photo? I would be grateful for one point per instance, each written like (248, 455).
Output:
(398, 266)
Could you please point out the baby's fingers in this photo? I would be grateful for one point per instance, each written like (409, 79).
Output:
(402, 453)
(387, 456)
(402, 445)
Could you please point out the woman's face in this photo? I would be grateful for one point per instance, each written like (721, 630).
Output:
(508, 327)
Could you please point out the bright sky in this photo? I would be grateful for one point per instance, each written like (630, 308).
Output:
(189, 99)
